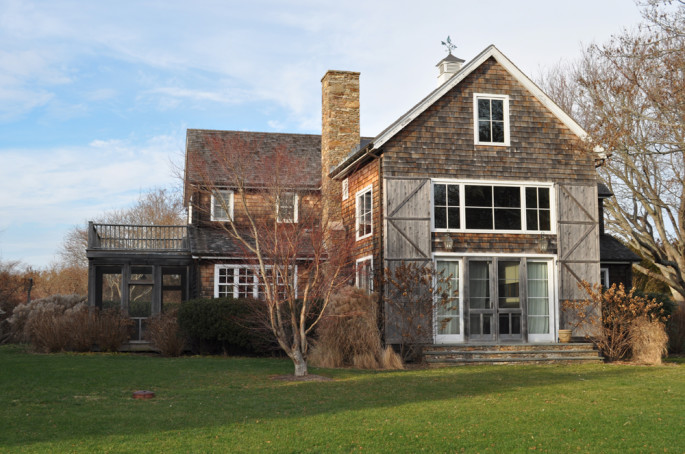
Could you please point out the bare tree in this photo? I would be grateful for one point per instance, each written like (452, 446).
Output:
(629, 94)
(276, 221)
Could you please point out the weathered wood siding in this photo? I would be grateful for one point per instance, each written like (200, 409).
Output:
(578, 237)
(440, 141)
(407, 235)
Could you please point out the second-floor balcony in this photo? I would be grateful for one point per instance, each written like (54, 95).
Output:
(143, 238)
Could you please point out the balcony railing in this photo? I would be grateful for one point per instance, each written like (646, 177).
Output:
(137, 237)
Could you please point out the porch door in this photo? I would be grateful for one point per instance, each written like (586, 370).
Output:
(494, 300)
(449, 320)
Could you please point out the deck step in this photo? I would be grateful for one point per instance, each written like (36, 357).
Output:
(453, 355)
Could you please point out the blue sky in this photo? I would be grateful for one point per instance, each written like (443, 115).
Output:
(95, 97)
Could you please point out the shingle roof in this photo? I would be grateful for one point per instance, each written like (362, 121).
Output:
(612, 250)
(208, 150)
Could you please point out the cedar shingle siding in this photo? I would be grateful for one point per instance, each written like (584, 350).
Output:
(440, 141)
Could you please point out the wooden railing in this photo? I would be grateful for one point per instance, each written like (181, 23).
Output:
(137, 237)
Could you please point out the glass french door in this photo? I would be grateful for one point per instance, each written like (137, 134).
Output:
(494, 300)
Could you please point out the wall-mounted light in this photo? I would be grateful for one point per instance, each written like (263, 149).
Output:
(448, 242)
(543, 243)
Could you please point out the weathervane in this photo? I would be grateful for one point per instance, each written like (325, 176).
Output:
(448, 45)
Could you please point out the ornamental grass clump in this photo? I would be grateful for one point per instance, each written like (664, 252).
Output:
(621, 324)
(348, 334)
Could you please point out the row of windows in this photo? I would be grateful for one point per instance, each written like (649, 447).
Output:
(461, 206)
(223, 201)
(243, 281)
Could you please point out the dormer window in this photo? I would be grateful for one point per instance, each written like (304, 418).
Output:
(287, 207)
(491, 119)
(222, 205)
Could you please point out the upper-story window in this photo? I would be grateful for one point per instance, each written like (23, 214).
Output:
(222, 205)
(492, 207)
(287, 207)
(364, 224)
(491, 119)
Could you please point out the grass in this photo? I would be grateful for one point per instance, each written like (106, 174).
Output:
(82, 403)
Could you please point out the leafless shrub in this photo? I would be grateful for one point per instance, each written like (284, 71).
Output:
(53, 305)
(412, 293)
(348, 334)
(609, 315)
(165, 335)
(648, 341)
(112, 329)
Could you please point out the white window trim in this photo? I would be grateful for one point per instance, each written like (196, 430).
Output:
(552, 290)
(296, 203)
(358, 196)
(255, 290)
(190, 214)
(345, 189)
(357, 281)
(520, 184)
(505, 99)
(451, 338)
(229, 203)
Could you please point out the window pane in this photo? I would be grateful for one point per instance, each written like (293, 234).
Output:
(484, 109)
(439, 195)
(111, 291)
(538, 298)
(507, 219)
(508, 284)
(479, 285)
(515, 324)
(507, 197)
(543, 194)
(453, 195)
(532, 219)
(478, 196)
(440, 218)
(497, 131)
(504, 324)
(497, 109)
(531, 197)
(474, 321)
(487, 324)
(453, 216)
(140, 300)
(484, 131)
(479, 218)
(544, 220)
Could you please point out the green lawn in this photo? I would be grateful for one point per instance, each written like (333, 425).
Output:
(82, 403)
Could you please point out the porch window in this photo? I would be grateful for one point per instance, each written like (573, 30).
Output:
(222, 205)
(286, 207)
(448, 316)
(364, 225)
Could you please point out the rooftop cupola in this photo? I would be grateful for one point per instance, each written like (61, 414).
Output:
(449, 65)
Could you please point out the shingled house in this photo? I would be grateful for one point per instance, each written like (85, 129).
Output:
(486, 178)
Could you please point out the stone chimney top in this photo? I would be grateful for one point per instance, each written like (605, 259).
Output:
(448, 67)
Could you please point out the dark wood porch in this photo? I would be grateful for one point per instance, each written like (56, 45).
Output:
(472, 354)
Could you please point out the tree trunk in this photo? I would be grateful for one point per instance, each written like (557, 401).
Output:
(300, 363)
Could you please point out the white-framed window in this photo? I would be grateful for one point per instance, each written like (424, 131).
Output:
(345, 189)
(190, 214)
(493, 207)
(222, 205)
(364, 217)
(243, 281)
(491, 119)
(286, 207)
(364, 273)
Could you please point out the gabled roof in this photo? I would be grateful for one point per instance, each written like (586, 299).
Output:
(490, 52)
(207, 150)
(612, 250)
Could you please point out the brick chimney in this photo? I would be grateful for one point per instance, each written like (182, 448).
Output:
(339, 134)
